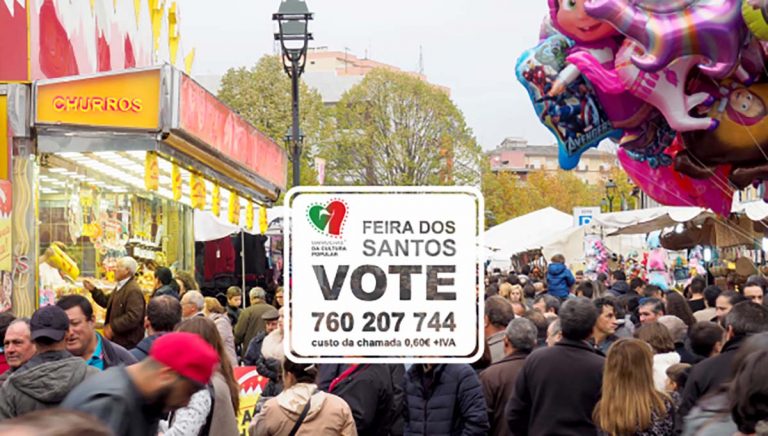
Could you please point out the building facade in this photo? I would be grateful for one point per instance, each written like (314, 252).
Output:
(332, 73)
(517, 156)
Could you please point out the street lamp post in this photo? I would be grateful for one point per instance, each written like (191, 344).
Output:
(292, 18)
(610, 193)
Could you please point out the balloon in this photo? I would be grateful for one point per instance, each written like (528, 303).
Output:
(755, 12)
(599, 42)
(574, 116)
(669, 187)
(665, 89)
(671, 29)
(739, 141)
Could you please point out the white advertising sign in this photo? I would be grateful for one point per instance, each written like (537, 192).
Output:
(583, 216)
(384, 274)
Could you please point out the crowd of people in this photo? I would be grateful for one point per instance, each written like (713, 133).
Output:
(564, 356)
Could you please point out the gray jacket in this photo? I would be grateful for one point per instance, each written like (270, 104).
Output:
(710, 417)
(111, 397)
(42, 383)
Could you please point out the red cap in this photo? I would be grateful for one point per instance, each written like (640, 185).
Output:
(187, 354)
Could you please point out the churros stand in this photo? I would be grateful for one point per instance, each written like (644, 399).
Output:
(115, 164)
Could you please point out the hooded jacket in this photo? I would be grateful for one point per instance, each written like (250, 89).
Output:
(559, 280)
(42, 383)
(328, 414)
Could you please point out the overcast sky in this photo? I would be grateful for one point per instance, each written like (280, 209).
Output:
(468, 45)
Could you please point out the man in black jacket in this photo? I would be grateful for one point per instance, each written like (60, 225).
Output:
(746, 318)
(83, 339)
(368, 391)
(558, 387)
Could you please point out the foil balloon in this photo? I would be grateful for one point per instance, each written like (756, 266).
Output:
(739, 141)
(574, 115)
(598, 41)
(665, 89)
(671, 188)
(671, 29)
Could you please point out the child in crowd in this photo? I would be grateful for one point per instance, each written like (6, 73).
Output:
(677, 375)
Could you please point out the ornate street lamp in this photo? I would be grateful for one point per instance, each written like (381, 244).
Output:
(610, 193)
(292, 18)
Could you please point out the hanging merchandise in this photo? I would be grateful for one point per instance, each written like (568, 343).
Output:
(263, 224)
(176, 182)
(216, 200)
(151, 172)
(62, 262)
(658, 272)
(75, 216)
(197, 192)
(234, 208)
(249, 215)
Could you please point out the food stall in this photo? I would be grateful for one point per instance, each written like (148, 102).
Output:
(115, 164)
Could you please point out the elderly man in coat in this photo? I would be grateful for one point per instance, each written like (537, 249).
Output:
(124, 323)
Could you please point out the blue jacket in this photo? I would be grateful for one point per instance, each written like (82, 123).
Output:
(446, 401)
(559, 280)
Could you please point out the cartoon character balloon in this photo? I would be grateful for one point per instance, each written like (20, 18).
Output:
(739, 141)
(600, 41)
(665, 89)
(574, 115)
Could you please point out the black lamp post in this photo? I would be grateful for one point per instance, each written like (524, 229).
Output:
(292, 18)
(610, 193)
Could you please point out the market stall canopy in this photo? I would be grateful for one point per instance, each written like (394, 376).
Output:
(524, 232)
(161, 110)
(715, 231)
(643, 221)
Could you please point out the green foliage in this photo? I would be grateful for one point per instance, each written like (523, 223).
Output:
(262, 95)
(395, 129)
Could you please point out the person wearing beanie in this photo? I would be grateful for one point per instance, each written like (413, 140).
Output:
(46, 379)
(132, 400)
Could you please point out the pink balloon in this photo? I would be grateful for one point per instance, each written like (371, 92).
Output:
(670, 188)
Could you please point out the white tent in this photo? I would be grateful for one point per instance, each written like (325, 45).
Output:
(524, 233)
(209, 227)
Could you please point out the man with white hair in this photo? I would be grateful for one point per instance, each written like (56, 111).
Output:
(192, 304)
(124, 322)
(251, 322)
